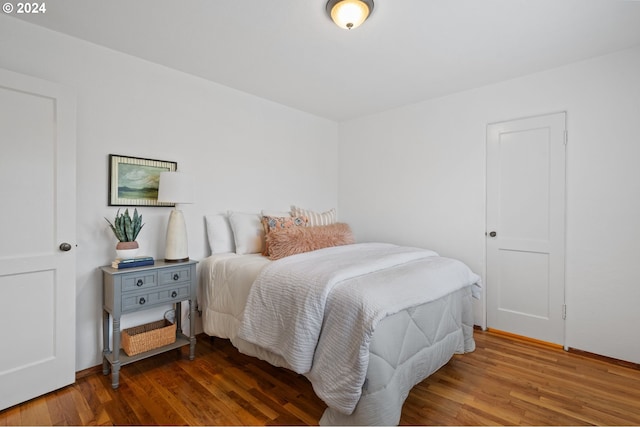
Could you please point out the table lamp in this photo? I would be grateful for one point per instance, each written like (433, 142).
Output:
(176, 187)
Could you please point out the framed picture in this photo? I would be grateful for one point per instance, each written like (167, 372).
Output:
(133, 181)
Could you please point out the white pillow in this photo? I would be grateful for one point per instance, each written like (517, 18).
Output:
(248, 232)
(219, 233)
(315, 218)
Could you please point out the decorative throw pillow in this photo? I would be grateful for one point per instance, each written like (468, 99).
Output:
(273, 223)
(315, 218)
(296, 240)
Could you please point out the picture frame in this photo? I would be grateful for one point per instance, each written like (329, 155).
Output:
(134, 181)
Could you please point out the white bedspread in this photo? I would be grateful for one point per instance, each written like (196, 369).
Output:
(318, 310)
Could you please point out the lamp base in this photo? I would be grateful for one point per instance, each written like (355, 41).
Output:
(176, 249)
(177, 260)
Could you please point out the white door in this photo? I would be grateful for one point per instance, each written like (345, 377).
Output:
(37, 277)
(526, 227)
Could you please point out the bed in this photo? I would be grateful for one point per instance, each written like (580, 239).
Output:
(364, 322)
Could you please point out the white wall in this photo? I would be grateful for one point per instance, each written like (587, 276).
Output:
(246, 153)
(416, 175)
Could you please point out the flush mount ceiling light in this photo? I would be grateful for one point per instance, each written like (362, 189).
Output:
(349, 14)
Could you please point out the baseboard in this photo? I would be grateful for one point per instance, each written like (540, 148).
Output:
(572, 350)
(607, 359)
(523, 338)
(89, 371)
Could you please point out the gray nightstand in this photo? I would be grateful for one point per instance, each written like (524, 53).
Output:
(134, 289)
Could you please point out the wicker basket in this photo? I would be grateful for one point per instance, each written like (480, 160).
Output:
(148, 336)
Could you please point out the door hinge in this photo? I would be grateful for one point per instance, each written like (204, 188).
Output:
(564, 311)
(566, 137)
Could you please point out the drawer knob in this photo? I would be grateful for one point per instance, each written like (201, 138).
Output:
(174, 294)
(139, 282)
(176, 276)
(142, 301)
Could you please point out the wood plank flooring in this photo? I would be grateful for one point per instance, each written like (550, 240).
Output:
(506, 381)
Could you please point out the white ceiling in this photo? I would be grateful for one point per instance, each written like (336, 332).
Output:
(290, 52)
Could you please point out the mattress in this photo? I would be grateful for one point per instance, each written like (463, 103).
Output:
(406, 346)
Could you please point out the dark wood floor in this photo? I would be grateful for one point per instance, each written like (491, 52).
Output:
(506, 381)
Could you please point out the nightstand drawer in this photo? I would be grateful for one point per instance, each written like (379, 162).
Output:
(140, 280)
(149, 299)
(177, 293)
(174, 275)
(135, 301)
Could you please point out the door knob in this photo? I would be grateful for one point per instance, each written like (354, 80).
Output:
(493, 234)
(65, 247)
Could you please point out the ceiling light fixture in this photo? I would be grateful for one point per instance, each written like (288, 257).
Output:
(349, 14)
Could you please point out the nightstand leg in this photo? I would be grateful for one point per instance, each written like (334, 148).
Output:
(115, 368)
(192, 329)
(105, 342)
(178, 320)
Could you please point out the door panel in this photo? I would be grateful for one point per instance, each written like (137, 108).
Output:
(526, 294)
(39, 286)
(526, 210)
(524, 214)
(27, 121)
(37, 279)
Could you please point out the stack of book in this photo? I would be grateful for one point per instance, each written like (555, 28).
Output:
(139, 261)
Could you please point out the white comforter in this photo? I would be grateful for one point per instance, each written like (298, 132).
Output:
(318, 310)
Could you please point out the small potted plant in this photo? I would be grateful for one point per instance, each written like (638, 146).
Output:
(126, 230)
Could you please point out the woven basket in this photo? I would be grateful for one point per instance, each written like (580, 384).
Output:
(148, 336)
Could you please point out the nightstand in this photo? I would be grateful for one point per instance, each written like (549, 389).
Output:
(135, 289)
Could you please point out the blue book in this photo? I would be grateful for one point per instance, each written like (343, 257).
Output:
(139, 263)
(136, 259)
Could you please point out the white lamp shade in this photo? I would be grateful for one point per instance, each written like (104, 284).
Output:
(176, 187)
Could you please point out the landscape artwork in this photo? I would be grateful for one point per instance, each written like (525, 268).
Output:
(133, 181)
